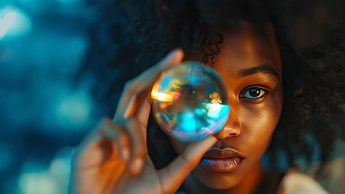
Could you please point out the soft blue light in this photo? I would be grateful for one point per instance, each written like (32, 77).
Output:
(188, 122)
(14, 23)
(7, 157)
(69, 2)
(73, 111)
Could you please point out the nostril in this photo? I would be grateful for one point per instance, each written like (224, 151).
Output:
(234, 132)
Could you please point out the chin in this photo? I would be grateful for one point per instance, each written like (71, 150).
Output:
(220, 186)
(218, 181)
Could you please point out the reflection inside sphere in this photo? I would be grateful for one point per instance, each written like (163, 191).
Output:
(190, 102)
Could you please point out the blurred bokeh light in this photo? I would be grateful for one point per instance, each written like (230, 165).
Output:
(43, 114)
(13, 23)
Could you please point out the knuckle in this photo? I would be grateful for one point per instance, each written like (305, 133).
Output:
(106, 124)
(129, 85)
(106, 121)
(102, 125)
(120, 122)
(111, 129)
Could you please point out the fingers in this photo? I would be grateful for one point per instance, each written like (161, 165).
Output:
(109, 137)
(128, 102)
(134, 108)
(102, 142)
(119, 137)
(129, 143)
(125, 131)
(176, 172)
(138, 145)
(98, 163)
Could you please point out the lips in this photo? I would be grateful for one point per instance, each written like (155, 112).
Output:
(222, 160)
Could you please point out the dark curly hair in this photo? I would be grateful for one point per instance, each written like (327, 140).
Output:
(132, 35)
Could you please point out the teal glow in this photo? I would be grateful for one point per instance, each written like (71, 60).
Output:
(14, 23)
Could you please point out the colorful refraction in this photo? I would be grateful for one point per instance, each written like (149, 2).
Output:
(190, 101)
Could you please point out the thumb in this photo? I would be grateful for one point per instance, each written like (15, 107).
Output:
(176, 172)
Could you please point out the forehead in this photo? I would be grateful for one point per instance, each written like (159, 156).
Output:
(248, 47)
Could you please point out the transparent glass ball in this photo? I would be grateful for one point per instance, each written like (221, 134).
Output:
(190, 101)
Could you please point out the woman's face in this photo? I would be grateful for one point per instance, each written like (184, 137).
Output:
(251, 69)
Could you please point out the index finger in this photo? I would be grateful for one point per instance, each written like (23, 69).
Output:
(128, 103)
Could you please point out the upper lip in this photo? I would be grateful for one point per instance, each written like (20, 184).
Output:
(222, 153)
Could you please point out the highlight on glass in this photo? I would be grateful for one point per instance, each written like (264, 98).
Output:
(190, 101)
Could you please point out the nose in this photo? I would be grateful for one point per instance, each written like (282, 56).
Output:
(232, 128)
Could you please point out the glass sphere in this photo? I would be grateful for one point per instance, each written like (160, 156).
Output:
(190, 101)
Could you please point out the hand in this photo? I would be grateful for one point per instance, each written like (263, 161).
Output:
(113, 157)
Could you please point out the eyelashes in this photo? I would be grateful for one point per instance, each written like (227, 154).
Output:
(253, 93)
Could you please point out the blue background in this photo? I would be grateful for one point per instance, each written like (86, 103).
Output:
(43, 113)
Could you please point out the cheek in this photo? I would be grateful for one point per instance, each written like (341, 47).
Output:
(260, 120)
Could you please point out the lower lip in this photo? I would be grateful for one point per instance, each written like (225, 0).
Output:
(222, 165)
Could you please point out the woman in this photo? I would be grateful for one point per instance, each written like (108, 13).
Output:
(242, 42)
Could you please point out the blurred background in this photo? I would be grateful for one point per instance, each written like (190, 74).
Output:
(43, 115)
(44, 112)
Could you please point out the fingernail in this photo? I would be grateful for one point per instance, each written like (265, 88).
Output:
(136, 165)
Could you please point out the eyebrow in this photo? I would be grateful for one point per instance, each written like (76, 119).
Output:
(266, 68)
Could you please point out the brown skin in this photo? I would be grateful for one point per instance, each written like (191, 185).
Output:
(251, 122)
(113, 157)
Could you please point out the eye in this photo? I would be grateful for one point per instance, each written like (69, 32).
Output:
(253, 93)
